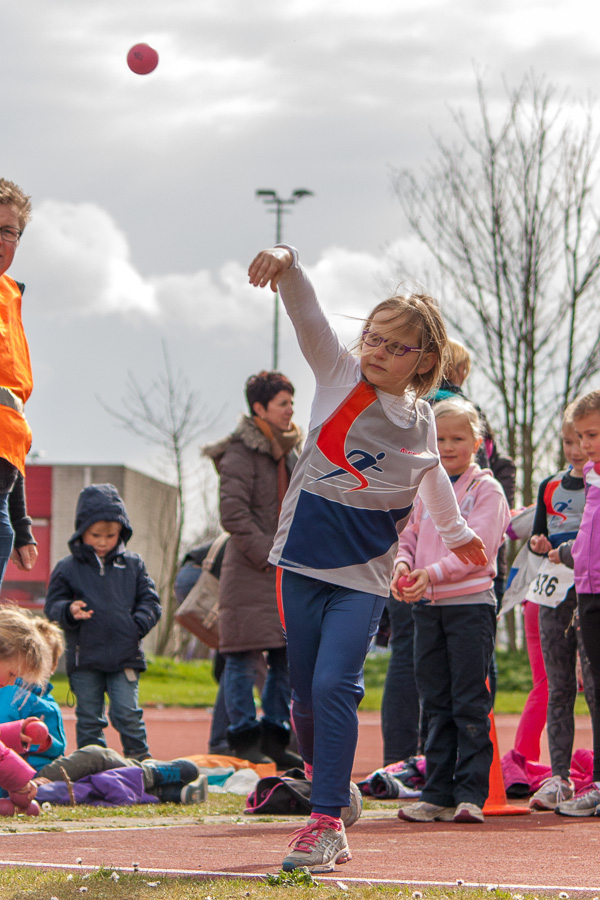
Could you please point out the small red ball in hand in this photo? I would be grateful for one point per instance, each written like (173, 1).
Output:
(142, 59)
(37, 731)
(404, 581)
(597, 468)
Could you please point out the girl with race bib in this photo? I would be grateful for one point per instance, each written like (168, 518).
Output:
(561, 499)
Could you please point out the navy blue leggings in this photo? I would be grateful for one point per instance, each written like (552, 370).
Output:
(329, 630)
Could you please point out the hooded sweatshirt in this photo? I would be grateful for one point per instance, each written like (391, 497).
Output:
(586, 549)
(482, 503)
(117, 588)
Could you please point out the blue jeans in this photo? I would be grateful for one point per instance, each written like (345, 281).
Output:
(240, 673)
(400, 708)
(329, 630)
(7, 535)
(124, 712)
(453, 649)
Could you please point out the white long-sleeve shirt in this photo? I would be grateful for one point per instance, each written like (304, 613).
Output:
(337, 372)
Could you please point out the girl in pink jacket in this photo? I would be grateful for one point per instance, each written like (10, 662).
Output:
(24, 653)
(455, 624)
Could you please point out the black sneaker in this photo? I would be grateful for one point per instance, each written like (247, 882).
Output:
(180, 771)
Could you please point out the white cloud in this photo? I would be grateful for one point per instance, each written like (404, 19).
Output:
(80, 263)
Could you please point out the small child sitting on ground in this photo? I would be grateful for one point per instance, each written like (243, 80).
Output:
(22, 700)
(23, 654)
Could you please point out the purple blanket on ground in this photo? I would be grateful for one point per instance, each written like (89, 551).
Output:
(116, 787)
(518, 770)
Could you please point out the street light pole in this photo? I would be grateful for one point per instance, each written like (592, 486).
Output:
(272, 198)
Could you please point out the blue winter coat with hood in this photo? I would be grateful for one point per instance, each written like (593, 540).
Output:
(117, 588)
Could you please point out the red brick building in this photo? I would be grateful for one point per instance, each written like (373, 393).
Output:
(52, 492)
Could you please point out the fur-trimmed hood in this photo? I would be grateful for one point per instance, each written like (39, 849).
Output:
(246, 432)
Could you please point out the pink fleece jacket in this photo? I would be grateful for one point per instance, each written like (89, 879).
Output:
(483, 504)
(586, 548)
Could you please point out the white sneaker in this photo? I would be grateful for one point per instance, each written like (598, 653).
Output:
(468, 812)
(319, 846)
(551, 792)
(586, 804)
(426, 812)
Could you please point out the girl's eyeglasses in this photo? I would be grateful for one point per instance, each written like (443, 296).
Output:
(394, 348)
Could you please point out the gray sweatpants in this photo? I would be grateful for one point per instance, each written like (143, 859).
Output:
(560, 637)
(89, 761)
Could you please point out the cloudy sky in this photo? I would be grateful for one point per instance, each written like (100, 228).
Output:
(144, 186)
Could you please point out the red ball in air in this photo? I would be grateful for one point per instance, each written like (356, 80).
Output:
(142, 59)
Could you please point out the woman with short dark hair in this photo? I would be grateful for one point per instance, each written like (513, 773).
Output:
(254, 464)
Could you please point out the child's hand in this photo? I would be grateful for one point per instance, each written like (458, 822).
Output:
(269, 266)
(540, 544)
(415, 585)
(473, 552)
(34, 732)
(554, 556)
(79, 611)
(401, 571)
(24, 795)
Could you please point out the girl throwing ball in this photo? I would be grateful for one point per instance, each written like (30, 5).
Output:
(371, 446)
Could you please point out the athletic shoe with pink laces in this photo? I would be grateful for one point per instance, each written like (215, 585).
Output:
(551, 792)
(318, 846)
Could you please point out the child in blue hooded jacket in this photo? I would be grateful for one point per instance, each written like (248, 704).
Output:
(104, 599)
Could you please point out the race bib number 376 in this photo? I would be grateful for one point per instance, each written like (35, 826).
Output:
(551, 584)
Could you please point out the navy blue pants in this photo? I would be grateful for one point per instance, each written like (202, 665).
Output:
(453, 649)
(329, 630)
(400, 708)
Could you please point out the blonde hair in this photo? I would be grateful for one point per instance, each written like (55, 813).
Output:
(567, 419)
(21, 641)
(457, 356)
(584, 406)
(421, 312)
(11, 194)
(462, 408)
(54, 637)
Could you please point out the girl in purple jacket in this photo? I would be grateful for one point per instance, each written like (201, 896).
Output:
(585, 552)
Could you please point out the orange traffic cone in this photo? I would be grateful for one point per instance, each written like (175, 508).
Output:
(496, 804)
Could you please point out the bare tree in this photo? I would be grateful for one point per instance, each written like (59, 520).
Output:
(169, 415)
(510, 216)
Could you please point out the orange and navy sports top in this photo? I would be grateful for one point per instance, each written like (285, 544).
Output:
(16, 380)
(366, 455)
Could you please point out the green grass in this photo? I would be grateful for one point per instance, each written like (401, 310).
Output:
(21, 883)
(171, 683)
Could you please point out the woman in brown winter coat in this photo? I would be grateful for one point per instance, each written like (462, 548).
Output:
(254, 464)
